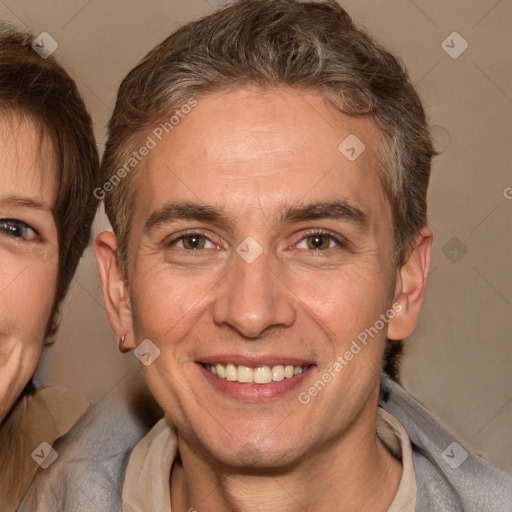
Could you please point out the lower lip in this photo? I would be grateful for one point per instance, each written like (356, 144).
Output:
(255, 392)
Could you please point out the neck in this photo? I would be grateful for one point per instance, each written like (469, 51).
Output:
(353, 472)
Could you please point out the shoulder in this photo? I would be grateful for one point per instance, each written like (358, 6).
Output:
(449, 476)
(89, 471)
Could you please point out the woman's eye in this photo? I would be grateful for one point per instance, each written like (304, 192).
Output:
(193, 241)
(317, 242)
(17, 229)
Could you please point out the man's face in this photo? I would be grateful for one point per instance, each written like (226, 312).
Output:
(256, 242)
(28, 252)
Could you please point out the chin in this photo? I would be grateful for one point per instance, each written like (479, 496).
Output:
(259, 453)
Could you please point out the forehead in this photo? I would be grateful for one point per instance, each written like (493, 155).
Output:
(249, 148)
(28, 163)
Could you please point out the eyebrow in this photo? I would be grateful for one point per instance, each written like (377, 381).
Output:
(25, 202)
(338, 210)
(184, 211)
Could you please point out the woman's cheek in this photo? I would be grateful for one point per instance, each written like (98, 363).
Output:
(34, 301)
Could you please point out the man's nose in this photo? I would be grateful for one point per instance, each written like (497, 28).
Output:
(253, 298)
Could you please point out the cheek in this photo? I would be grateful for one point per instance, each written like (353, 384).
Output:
(28, 290)
(168, 307)
(25, 307)
(344, 302)
(167, 304)
(32, 296)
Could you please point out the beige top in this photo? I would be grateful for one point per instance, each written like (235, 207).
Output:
(41, 417)
(146, 485)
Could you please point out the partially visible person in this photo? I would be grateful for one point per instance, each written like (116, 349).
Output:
(49, 168)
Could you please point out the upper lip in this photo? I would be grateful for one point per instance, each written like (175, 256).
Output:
(253, 360)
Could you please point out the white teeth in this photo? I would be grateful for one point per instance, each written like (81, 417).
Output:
(221, 372)
(231, 373)
(262, 375)
(245, 374)
(259, 375)
(278, 373)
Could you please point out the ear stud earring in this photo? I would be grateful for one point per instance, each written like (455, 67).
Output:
(120, 344)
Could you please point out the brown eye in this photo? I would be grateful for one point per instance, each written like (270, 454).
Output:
(194, 242)
(318, 242)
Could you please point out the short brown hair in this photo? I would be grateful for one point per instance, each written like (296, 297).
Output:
(307, 45)
(42, 91)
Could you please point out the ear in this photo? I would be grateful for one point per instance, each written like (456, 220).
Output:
(114, 288)
(410, 287)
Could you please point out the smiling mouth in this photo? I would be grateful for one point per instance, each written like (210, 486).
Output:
(259, 375)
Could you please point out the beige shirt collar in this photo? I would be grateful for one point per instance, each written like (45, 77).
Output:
(146, 485)
(393, 435)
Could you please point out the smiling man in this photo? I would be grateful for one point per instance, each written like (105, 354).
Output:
(240, 336)
(270, 252)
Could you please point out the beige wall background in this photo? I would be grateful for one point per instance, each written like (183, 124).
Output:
(459, 360)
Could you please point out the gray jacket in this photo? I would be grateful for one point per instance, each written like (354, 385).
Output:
(449, 478)
(88, 474)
